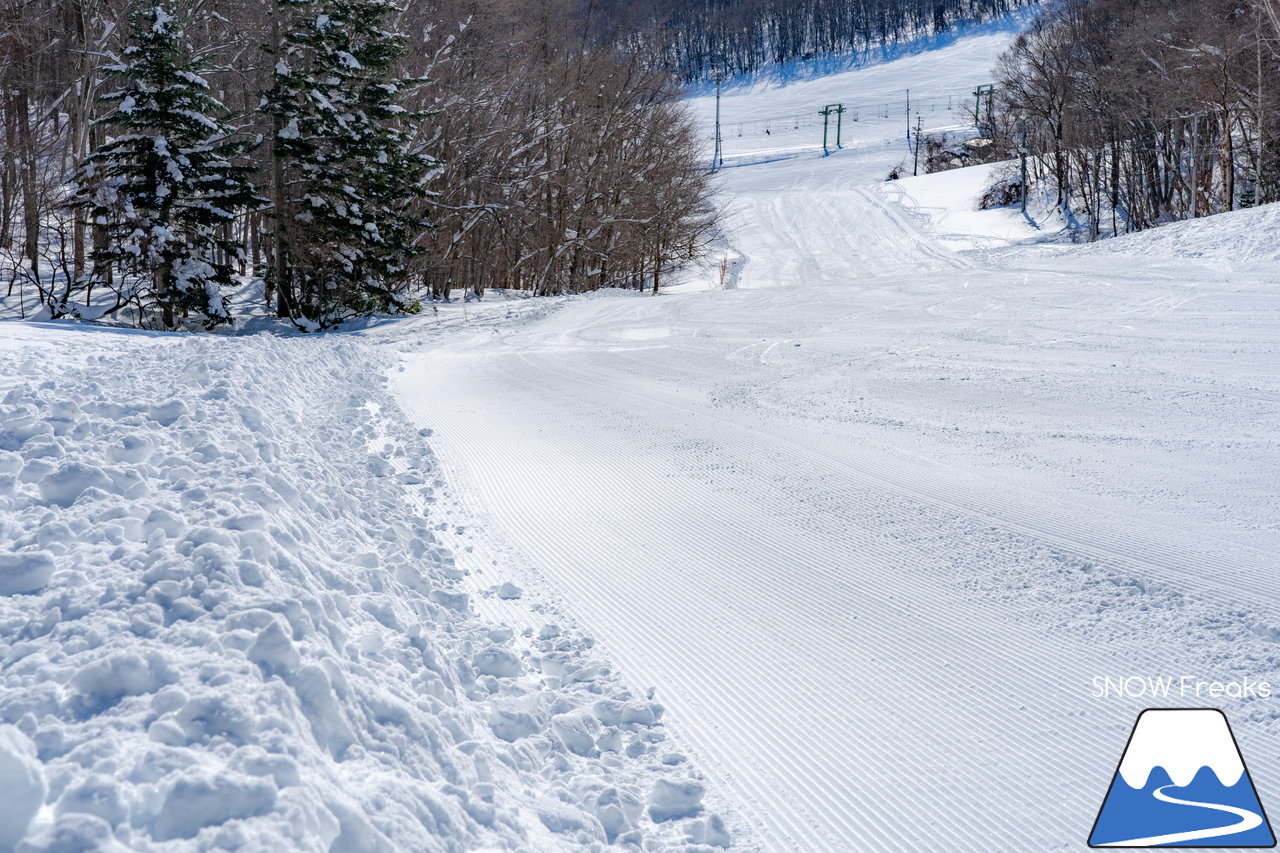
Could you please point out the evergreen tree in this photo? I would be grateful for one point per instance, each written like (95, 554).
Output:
(346, 186)
(165, 189)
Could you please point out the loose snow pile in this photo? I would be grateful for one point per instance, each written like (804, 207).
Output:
(223, 626)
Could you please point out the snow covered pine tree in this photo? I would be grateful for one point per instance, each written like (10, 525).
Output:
(347, 190)
(166, 188)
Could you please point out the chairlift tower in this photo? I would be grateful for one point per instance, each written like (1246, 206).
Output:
(988, 91)
(915, 169)
(717, 159)
(826, 112)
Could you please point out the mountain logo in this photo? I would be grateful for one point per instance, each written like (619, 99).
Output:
(1182, 783)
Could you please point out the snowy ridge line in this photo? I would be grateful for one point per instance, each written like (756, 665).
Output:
(728, 693)
(222, 623)
(1181, 744)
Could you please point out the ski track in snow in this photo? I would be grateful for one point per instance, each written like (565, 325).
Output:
(873, 520)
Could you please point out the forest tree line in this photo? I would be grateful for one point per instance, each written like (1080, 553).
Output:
(1141, 112)
(701, 39)
(358, 156)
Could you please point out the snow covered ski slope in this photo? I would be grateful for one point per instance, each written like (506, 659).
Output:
(874, 519)
(849, 554)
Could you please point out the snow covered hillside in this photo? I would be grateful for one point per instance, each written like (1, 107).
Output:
(829, 558)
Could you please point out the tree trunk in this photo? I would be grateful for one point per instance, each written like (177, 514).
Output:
(30, 198)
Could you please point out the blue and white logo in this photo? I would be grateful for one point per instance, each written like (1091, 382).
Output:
(1182, 783)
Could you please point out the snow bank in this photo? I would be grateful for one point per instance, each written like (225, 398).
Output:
(223, 625)
(1241, 236)
(948, 201)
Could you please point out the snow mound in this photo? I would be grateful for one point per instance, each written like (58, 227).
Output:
(678, 798)
(947, 203)
(24, 572)
(1243, 236)
(223, 624)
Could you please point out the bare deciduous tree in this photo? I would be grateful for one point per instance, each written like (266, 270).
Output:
(1145, 111)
